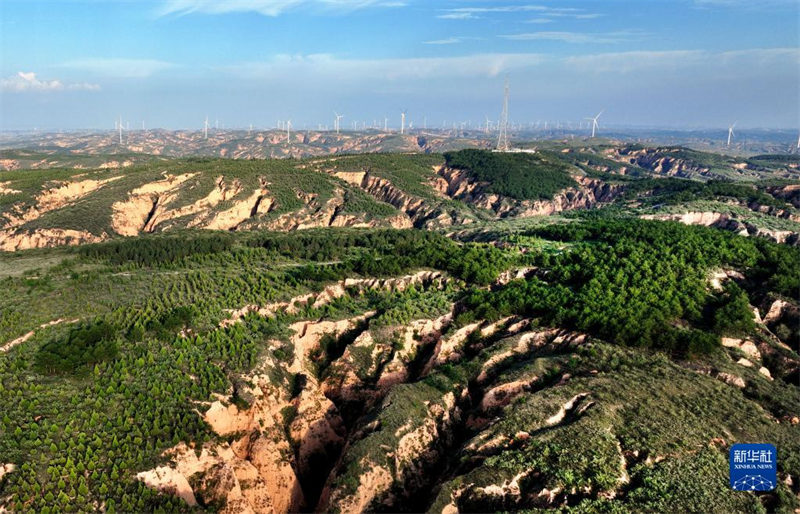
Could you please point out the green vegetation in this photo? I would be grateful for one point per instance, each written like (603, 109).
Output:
(87, 406)
(642, 283)
(84, 346)
(410, 173)
(126, 341)
(522, 176)
(672, 191)
(644, 426)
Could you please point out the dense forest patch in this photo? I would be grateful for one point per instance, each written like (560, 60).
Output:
(644, 283)
(522, 176)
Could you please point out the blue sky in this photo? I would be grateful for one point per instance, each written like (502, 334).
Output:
(673, 63)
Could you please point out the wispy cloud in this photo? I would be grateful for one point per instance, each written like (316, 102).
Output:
(268, 7)
(120, 68)
(471, 13)
(453, 40)
(577, 37)
(332, 69)
(27, 81)
(755, 60)
(328, 67)
(446, 41)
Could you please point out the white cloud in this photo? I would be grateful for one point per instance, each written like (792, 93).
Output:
(446, 41)
(458, 16)
(27, 81)
(267, 7)
(331, 68)
(120, 68)
(471, 13)
(576, 37)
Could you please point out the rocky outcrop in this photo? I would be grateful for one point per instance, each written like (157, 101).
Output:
(223, 190)
(422, 213)
(255, 471)
(392, 475)
(45, 238)
(789, 193)
(131, 216)
(5, 469)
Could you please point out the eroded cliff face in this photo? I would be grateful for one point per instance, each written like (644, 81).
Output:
(51, 198)
(283, 421)
(419, 212)
(352, 415)
(131, 216)
(46, 238)
(653, 159)
(790, 193)
(589, 193)
(61, 194)
(727, 222)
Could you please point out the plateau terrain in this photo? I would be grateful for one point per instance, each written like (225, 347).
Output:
(395, 324)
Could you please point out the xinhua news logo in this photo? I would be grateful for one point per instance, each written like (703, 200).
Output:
(754, 467)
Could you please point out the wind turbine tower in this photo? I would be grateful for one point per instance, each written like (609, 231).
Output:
(403, 122)
(595, 126)
(338, 119)
(120, 130)
(731, 133)
(289, 132)
(502, 136)
(205, 128)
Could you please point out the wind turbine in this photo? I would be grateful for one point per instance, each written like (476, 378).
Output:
(120, 130)
(595, 126)
(731, 133)
(205, 128)
(289, 132)
(386, 126)
(488, 122)
(403, 122)
(338, 119)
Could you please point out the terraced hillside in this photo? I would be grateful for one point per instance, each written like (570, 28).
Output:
(588, 365)
(50, 207)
